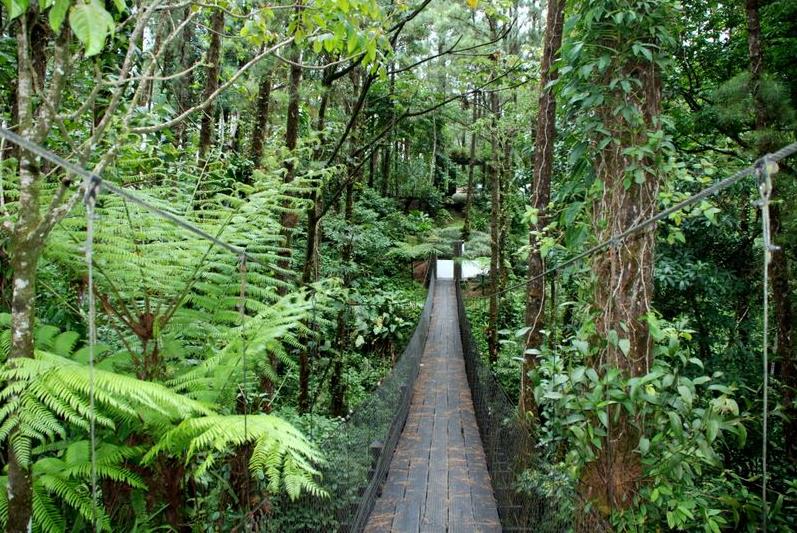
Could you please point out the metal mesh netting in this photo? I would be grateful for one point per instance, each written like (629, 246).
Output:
(359, 453)
(510, 450)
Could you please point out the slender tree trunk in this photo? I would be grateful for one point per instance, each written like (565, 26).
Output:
(386, 156)
(495, 237)
(507, 170)
(148, 86)
(25, 251)
(756, 60)
(260, 126)
(289, 218)
(182, 86)
(337, 385)
(310, 270)
(212, 82)
(540, 196)
(387, 152)
(433, 160)
(371, 169)
(471, 161)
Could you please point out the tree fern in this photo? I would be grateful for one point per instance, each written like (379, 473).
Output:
(281, 452)
(272, 332)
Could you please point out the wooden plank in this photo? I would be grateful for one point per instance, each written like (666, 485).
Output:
(435, 514)
(438, 479)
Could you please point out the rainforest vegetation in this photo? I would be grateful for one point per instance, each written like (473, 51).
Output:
(151, 379)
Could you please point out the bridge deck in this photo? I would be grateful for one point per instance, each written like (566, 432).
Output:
(438, 479)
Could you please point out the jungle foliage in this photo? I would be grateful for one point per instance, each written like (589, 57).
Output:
(340, 144)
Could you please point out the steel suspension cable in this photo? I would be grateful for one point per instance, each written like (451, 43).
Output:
(774, 157)
(763, 174)
(245, 386)
(93, 181)
(90, 199)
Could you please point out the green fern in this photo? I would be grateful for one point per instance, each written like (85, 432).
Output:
(281, 452)
(66, 479)
(48, 391)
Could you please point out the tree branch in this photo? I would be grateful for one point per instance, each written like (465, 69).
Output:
(211, 98)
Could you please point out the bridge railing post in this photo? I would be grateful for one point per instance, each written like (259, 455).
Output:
(376, 448)
(459, 246)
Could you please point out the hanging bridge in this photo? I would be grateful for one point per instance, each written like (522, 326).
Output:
(438, 446)
(438, 476)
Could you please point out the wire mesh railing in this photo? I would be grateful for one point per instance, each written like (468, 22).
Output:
(359, 452)
(510, 450)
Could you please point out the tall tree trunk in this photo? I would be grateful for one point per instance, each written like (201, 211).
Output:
(471, 161)
(756, 60)
(310, 270)
(540, 196)
(25, 251)
(311, 258)
(212, 82)
(371, 169)
(260, 126)
(624, 274)
(289, 218)
(386, 156)
(495, 237)
(337, 385)
(433, 159)
(182, 86)
(389, 147)
(779, 263)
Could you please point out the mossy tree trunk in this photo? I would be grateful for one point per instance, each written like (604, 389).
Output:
(779, 263)
(624, 288)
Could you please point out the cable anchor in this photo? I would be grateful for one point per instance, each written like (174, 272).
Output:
(765, 168)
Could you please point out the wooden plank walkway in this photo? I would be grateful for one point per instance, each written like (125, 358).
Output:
(438, 479)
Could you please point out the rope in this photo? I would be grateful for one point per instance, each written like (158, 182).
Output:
(92, 178)
(764, 168)
(89, 199)
(615, 240)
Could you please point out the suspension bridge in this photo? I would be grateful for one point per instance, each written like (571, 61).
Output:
(438, 445)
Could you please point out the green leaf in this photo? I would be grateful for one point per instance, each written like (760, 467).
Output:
(370, 51)
(675, 423)
(57, 14)
(91, 24)
(686, 394)
(644, 446)
(15, 7)
(578, 374)
(625, 346)
(712, 430)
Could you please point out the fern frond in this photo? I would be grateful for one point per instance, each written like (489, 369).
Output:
(278, 445)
